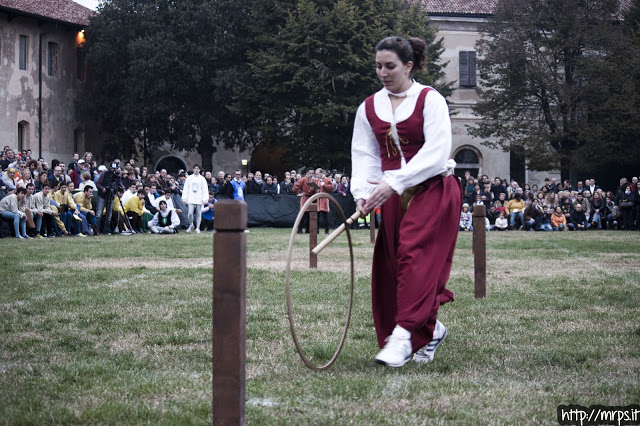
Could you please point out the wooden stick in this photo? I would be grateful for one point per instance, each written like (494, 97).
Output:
(339, 230)
(313, 235)
(479, 251)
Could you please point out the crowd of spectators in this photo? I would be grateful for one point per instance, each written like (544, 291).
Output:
(554, 206)
(82, 198)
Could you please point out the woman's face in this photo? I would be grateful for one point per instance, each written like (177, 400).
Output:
(393, 74)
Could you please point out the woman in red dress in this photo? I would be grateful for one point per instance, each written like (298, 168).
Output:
(401, 161)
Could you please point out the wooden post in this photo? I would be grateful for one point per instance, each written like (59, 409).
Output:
(372, 226)
(313, 235)
(479, 251)
(229, 312)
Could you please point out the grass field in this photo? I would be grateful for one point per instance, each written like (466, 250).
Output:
(117, 330)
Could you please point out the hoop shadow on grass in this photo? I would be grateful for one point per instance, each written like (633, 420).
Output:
(315, 294)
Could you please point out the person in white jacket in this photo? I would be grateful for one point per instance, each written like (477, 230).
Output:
(165, 221)
(195, 194)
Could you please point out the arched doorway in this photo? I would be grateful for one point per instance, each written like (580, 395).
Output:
(171, 163)
(468, 158)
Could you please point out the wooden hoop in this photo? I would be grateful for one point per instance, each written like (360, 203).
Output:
(294, 231)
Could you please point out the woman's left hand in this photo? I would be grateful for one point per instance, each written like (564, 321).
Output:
(381, 194)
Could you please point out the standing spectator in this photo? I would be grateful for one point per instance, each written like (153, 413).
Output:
(343, 186)
(195, 194)
(238, 186)
(304, 188)
(626, 202)
(324, 184)
(255, 186)
(637, 204)
(269, 188)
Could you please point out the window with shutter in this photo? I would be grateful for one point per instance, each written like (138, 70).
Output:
(467, 67)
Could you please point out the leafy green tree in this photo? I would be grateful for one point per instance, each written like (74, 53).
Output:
(312, 64)
(556, 83)
(164, 71)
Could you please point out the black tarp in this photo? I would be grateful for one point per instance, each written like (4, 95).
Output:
(280, 211)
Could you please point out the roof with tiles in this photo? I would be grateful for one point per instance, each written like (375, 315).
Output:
(65, 11)
(460, 7)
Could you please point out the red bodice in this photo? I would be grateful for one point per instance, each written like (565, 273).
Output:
(410, 133)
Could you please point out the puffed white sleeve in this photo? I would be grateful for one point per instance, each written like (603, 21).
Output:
(365, 157)
(433, 158)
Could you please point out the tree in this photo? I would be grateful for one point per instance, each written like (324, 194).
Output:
(312, 64)
(164, 71)
(556, 82)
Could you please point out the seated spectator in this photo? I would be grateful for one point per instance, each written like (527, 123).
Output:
(515, 209)
(513, 190)
(558, 220)
(501, 203)
(597, 207)
(7, 181)
(43, 213)
(68, 210)
(165, 221)
(131, 192)
(207, 214)
(85, 180)
(586, 206)
(501, 222)
(83, 201)
(567, 207)
(12, 208)
(268, 187)
(135, 211)
(41, 182)
(578, 220)
(466, 219)
(533, 216)
(545, 221)
(26, 178)
(167, 197)
(492, 216)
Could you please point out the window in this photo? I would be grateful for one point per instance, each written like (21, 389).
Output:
(52, 55)
(22, 58)
(467, 66)
(23, 135)
(467, 159)
(80, 63)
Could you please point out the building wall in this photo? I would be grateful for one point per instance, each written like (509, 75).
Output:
(19, 89)
(460, 34)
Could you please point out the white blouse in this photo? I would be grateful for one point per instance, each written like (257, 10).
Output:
(431, 160)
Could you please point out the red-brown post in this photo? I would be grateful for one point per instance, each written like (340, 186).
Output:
(229, 312)
(313, 235)
(372, 226)
(479, 251)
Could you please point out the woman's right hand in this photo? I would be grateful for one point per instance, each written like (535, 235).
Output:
(360, 207)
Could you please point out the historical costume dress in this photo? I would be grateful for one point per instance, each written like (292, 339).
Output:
(409, 149)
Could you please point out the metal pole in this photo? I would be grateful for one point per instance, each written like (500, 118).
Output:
(229, 312)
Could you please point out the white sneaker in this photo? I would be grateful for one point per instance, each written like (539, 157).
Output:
(190, 228)
(397, 351)
(197, 230)
(425, 354)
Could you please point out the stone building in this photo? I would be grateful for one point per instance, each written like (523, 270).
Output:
(458, 23)
(42, 73)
